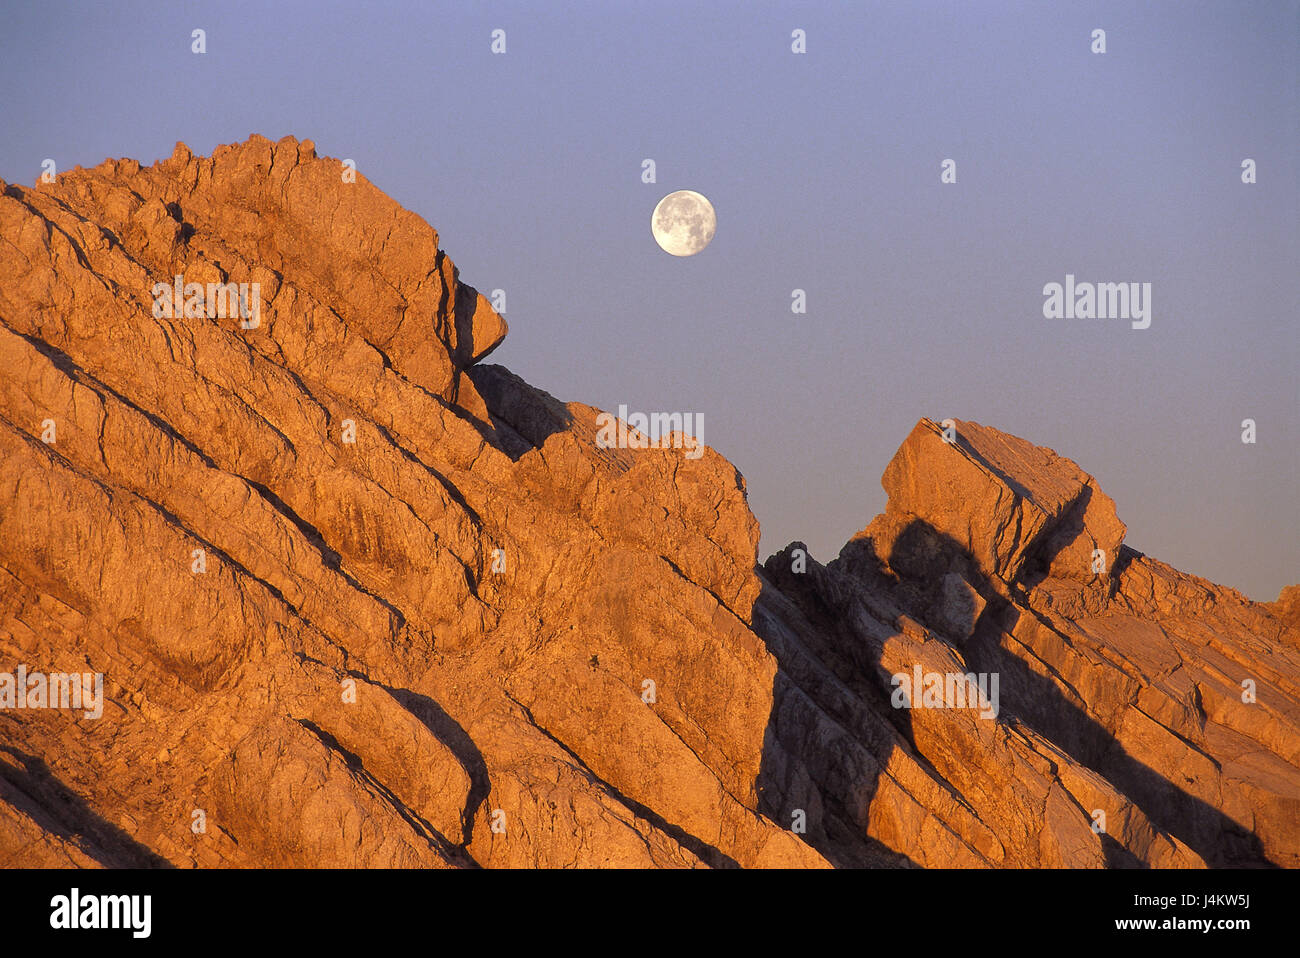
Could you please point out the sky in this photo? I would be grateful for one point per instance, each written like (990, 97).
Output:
(923, 298)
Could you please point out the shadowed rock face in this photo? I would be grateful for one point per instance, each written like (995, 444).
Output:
(359, 599)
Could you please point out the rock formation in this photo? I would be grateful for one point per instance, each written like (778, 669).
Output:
(359, 599)
(1166, 703)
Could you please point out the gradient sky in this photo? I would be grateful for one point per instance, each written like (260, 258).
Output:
(924, 299)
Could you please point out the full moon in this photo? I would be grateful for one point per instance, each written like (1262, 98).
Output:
(683, 223)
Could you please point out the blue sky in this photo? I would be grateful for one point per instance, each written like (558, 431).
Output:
(923, 298)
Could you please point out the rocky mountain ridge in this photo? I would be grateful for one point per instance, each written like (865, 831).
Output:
(359, 598)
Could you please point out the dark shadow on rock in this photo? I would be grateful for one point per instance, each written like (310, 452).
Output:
(451, 734)
(837, 776)
(523, 417)
(417, 823)
(464, 315)
(187, 229)
(34, 790)
(1117, 856)
(1039, 556)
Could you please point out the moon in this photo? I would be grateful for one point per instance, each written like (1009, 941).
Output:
(683, 223)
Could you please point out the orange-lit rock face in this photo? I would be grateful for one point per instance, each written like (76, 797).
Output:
(358, 599)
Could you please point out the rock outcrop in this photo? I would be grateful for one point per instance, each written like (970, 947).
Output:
(1145, 717)
(359, 599)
